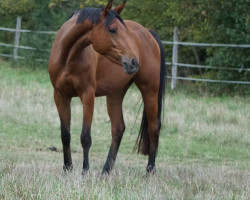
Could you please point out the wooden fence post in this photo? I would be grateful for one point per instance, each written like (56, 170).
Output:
(174, 59)
(17, 37)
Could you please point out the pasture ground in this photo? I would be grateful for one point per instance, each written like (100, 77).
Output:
(204, 150)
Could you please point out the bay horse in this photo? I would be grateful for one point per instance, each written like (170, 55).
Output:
(97, 53)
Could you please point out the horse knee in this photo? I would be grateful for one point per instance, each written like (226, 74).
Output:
(86, 139)
(65, 136)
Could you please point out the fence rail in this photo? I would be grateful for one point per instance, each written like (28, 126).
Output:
(17, 46)
(175, 43)
(210, 80)
(208, 67)
(27, 31)
(207, 44)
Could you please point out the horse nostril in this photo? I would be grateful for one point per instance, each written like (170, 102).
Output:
(134, 62)
(124, 64)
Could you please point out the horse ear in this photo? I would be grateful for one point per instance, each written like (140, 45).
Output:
(120, 8)
(108, 7)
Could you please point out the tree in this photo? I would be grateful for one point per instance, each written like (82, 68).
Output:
(211, 21)
(9, 7)
(229, 22)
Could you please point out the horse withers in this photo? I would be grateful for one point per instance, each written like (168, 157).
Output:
(97, 53)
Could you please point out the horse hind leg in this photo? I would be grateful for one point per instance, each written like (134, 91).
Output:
(147, 142)
(114, 105)
(153, 130)
(63, 108)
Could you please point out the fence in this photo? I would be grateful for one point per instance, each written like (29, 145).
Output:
(16, 45)
(175, 65)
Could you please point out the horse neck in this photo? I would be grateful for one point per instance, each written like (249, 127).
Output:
(75, 39)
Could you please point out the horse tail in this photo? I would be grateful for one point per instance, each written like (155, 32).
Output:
(142, 142)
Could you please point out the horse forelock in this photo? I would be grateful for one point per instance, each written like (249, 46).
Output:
(111, 16)
(93, 15)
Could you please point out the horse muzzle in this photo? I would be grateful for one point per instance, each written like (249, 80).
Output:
(130, 66)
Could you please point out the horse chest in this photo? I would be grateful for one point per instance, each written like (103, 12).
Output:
(69, 84)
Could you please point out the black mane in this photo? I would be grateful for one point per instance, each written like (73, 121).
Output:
(93, 15)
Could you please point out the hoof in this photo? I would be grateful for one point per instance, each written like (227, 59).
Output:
(68, 168)
(85, 171)
(151, 170)
(105, 171)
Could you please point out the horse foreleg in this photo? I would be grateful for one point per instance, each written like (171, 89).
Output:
(88, 108)
(63, 107)
(114, 106)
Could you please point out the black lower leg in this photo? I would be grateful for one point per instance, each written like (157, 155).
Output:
(151, 162)
(151, 168)
(113, 151)
(152, 154)
(110, 160)
(86, 143)
(153, 146)
(65, 136)
(85, 159)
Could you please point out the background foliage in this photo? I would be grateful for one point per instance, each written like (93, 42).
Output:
(211, 21)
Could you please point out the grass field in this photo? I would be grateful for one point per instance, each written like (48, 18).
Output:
(204, 150)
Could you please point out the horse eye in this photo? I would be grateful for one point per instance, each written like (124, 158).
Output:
(112, 30)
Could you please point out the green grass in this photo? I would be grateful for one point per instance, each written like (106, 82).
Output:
(204, 150)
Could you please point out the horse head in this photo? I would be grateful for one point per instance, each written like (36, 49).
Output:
(110, 37)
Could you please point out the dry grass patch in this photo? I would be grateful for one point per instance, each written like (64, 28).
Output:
(203, 152)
